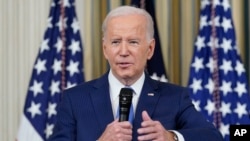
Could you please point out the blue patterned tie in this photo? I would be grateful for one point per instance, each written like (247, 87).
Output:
(131, 114)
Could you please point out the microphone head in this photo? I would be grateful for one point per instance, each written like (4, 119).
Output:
(125, 99)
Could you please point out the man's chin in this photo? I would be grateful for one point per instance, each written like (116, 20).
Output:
(125, 76)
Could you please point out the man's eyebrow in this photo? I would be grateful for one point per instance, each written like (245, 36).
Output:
(133, 39)
(115, 39)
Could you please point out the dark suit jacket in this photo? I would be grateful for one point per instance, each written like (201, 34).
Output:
(86, 110)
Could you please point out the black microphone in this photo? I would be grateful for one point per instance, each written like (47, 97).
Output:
(125, 99)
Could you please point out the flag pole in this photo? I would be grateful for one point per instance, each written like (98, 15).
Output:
(63, 51)
(215, 75)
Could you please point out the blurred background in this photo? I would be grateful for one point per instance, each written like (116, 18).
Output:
(22, 27)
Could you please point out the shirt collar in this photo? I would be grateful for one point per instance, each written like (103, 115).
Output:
(115, 85)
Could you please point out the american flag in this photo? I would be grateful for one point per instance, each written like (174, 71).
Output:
(59, 65)
(217, 81)
(155, 66)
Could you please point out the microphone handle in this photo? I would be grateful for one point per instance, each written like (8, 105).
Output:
(123, 117)
(124, 113)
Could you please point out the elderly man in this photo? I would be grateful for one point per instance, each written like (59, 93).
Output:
(162, 111)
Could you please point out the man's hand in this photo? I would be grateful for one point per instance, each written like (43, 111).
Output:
(153, 130)
(117, 131)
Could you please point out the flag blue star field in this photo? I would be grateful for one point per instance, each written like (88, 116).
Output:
(59, 65)
(217, 80)
(155, 66)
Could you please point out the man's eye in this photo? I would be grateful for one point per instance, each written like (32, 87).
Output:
(133, 42)
(115, 42)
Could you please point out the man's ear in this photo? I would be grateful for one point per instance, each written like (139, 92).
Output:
(151, 49)
(104, 48)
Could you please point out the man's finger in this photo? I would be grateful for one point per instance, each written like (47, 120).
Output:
(145, 116)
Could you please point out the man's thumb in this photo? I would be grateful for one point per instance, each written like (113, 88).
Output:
(145, 116)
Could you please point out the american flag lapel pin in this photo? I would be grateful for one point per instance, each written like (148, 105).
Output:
(151, 94)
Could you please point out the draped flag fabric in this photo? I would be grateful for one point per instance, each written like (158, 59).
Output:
(217, 81)
(59, 65)
(155, 66)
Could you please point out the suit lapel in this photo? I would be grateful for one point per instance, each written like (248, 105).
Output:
(148, 99)
(101, 102)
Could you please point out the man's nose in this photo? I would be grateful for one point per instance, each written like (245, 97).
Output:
(124, 49)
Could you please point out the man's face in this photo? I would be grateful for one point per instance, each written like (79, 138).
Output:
(126, 47)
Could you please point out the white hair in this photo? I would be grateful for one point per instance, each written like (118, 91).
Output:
(129, 10)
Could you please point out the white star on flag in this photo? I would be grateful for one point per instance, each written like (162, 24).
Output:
(57, 66)
(36, 88)
(49, 24)
(226, 45)
(239, 68)
(75, 26)
(49, 130)
(203, 22)
(213, 42)
(51, 109)
(216, 22)
(210, 86)
(226, 24)
(225, 108)
(60, 23)
(210, 107)
(40, 66)
(226, 66)
(224, 129)
(73, 67)
(44, 45)
(59, 45)
(66, 3)
(54, 87)
(226, 87)
(200, 42)
(241, 110)
(240, 88)
(196, 85)
(210, 64)
(198, 64)
(34, 109)
(75, 47)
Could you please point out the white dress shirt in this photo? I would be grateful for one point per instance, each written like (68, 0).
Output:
(114, 88)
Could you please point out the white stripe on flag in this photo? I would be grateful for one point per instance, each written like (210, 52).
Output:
(27, 132)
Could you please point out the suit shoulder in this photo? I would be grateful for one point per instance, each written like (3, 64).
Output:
(80, 88)
(172, 87)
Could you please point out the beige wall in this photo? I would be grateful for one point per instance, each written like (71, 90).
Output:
(23, 22)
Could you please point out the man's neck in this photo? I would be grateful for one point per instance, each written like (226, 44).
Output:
(127, 81)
